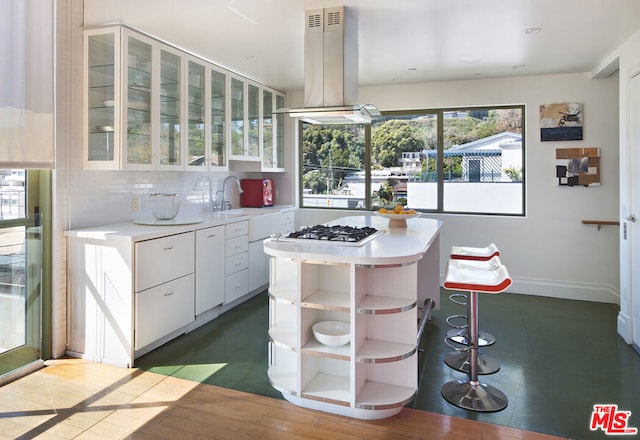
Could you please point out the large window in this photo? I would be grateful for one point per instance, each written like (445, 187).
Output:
(468, 160)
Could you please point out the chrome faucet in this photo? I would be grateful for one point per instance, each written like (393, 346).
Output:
(195, 187)
(224, 204)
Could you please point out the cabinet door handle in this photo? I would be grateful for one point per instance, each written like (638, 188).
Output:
(169, 293)
(211, 236)
(237, 286)
(167, 248)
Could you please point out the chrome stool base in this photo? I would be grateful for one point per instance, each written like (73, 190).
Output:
(474, 396)
(461, 337)
(460, 362)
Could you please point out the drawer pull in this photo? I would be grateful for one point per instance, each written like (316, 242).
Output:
(168, 248)
(211, 236)
(169, 293)
(237, 286)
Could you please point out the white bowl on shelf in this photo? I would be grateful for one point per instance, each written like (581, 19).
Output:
(332, 333)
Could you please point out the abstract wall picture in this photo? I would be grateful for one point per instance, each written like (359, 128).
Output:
(561, 122)
(578, 166)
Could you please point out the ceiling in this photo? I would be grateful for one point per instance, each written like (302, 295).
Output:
(399, 40)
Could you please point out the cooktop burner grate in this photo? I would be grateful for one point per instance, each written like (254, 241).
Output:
(338, 234)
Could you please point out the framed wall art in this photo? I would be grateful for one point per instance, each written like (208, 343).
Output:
(578, 166)
(561, 122)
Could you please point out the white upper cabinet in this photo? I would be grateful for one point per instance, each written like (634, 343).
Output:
(151, 106)
(273, 131)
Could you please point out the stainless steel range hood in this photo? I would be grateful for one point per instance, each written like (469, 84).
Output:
(331, 70)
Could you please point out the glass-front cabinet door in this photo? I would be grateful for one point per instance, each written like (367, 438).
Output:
(253, 121)
(100, 95)
(267, 129)
(280, 134)
(138, 137)
(196, 97)
(218, 148)
(170, 109)
(273, 145)
(237, 117)
(149, 106)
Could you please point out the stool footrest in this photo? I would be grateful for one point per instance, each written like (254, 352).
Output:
(460, 362)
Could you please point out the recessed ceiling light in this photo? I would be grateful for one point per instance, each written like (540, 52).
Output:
(531, 30)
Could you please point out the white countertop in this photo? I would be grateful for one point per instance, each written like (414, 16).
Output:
(131, 231)
(395, 246)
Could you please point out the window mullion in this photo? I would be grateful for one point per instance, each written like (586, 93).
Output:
(440, 159)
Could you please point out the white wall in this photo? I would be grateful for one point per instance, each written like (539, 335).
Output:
(548, 252)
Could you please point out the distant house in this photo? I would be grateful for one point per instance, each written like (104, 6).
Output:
(486, 159)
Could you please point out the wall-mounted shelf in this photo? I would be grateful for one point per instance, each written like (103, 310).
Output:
(600, 223)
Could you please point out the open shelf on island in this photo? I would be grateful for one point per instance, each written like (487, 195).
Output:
(326, 300)
(315, 348)
(328, 388)
(283, 296)
(379, 396)
(284, 337)
(378, 352)
(382, 305)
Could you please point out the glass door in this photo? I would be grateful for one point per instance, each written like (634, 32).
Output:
(196, 115)
(267, 129)
(237, 117)
(170, 121)
(138, 107)
(21, 267)
(218, 154)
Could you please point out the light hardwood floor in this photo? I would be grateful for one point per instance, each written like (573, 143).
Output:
(76, 399)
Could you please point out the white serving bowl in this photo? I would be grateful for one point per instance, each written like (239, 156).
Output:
(332, 333)
(164, 206)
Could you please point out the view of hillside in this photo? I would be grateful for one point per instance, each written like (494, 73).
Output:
(404, 147)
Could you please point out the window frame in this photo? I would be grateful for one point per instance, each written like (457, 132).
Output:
(439, 112)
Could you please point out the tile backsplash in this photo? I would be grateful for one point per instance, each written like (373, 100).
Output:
(101, 197)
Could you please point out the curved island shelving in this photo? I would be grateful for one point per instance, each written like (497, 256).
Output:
(377, 288)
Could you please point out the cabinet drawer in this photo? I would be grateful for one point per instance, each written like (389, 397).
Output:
(236, 285)
(237, 229)
(163, 259)
(287, 217)
(163, 309)
(236, 246)
(262, 226)
(237, 263)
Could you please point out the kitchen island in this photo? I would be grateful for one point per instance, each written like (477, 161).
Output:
(376, 288)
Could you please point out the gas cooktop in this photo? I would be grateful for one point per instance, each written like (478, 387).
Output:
(332, 235)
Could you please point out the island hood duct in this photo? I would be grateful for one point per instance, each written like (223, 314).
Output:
(331, 70)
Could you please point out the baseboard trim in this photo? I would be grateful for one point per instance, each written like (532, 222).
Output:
(558, 289)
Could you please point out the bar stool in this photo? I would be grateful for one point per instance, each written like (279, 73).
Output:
(471, 394)
(476, 259)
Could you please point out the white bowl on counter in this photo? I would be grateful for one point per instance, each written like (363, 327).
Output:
(332, 333)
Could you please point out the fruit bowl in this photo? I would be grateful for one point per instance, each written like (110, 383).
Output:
(332, 333)
(398, 220)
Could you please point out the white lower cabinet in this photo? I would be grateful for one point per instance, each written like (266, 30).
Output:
(210, 268)
(236, 261)
(162, 310)
(127, 297)
(261, 227)
(371, 377)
